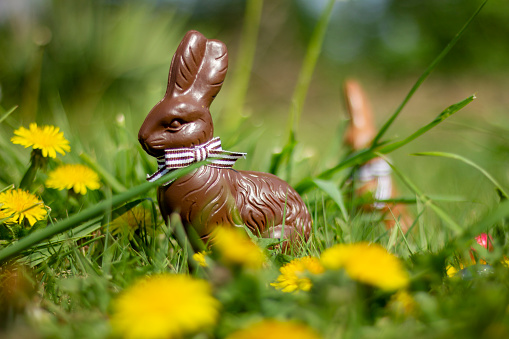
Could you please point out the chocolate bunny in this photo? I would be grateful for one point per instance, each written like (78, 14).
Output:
(178, 131)
(375, 176)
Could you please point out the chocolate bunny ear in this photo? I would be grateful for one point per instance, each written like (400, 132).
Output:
(198, 68)
(361, 130)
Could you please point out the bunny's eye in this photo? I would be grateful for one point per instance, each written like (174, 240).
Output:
(175, 124)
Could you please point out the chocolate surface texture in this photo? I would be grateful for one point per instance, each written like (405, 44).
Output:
(213, 197)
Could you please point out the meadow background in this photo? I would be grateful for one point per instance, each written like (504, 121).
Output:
(95, 69)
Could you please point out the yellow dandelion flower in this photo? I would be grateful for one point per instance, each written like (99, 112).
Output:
(17, 204)
(293, 275)
(274, 329)
(48, 139)
(235, 248)
(200, 259)
(75, 176)
(368, 263)
(4, 216)
(132, 220)
(402, 302)
(452, 270)
(164, 306)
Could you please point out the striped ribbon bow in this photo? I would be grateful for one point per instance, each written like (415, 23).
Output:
(182, 157)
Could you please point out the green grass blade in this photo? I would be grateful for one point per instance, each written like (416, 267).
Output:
(9, 112)
(392, 238)
(242, 72)
(110, 180)
(29, 176)
(87, 214)
(300, 92)
(413, 200)
(313, 52)
(400, 231)
(441, 117)
(126, 208)
(487, 223)
(501, 212)
(43, 251)
(334, 193)
(423, 77)
(183, 240)
(285, 154)
(453, 226)
(468, 162)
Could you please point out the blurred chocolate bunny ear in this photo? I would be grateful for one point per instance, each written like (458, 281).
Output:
(198, 68)
(361, 129)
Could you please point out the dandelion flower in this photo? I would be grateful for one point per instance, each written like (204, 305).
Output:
(368, 263)
(17, 205)
(164, 306)
(3, 215)
(75, 176)
(236, 248)
(294, 274)
(274, 329)
(48, 139)
(452, 270)
(403, 303)
(128, 223)
(200, 259)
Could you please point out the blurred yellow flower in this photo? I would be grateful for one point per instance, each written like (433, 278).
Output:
(3, 215)
(274, 329)
(48, 139)
(452, 270)
(164, 306)
(75, 176)
(235, 248)
(368, 263)
(294, 274)
(200, 259)
(17, 204)
(403, 303)
(136, 218)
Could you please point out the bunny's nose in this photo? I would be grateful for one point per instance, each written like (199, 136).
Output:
(142, 140)
(141, 137)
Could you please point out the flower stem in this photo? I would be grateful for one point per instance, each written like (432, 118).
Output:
(36, 161)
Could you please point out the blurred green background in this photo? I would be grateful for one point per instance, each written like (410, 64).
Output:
(87, 65)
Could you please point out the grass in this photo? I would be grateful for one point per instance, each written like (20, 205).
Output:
(60, 278)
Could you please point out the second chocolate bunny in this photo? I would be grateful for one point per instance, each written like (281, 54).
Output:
(178, 131)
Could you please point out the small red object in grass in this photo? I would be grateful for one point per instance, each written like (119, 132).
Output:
(482, 239)
(485, 241)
